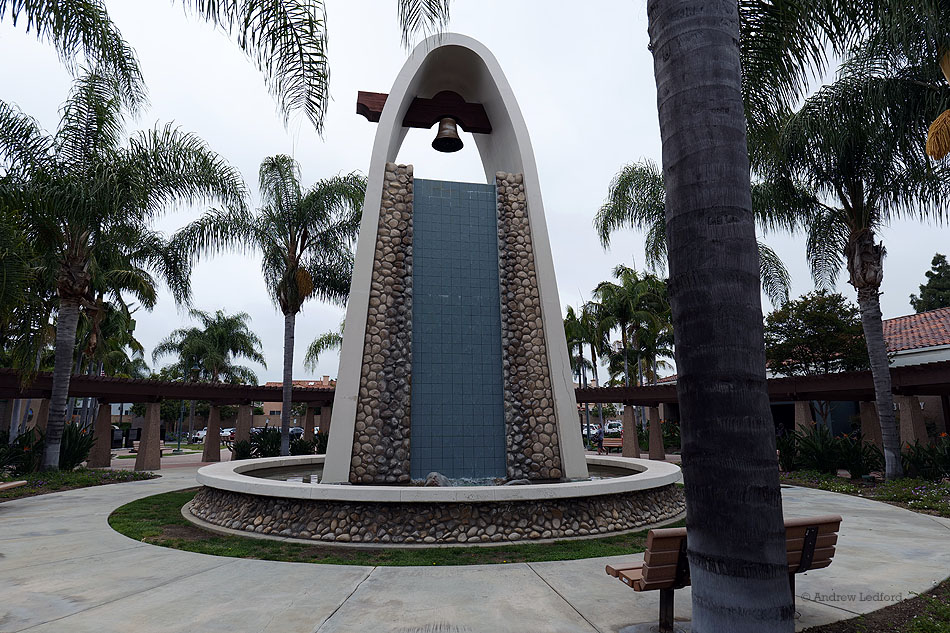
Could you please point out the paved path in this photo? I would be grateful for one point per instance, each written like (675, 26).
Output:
(62, 569)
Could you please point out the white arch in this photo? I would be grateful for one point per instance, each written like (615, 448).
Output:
(464, 65)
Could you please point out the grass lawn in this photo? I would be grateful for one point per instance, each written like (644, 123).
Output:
(157, 520)
(919, 495)
(926, 613)
(56, 480)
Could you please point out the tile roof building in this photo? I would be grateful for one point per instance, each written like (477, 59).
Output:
(919, 338)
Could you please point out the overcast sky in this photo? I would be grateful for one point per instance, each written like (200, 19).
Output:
(582, 75)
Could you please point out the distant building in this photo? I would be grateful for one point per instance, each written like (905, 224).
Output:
(273, 409)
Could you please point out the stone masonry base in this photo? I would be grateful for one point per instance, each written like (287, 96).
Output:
(438, 523)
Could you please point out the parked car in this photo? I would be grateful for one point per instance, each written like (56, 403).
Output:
(227, 434)
(295, 432)
(199, 436)
(613, 427)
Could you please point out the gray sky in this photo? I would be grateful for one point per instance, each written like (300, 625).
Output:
(572, 66)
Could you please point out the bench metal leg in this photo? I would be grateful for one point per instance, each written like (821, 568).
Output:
(666, 611)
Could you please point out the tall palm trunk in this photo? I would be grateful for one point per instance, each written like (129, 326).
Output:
(736, 547)
(289, 322)
(600, 407)
(66, 325)
(626, 368)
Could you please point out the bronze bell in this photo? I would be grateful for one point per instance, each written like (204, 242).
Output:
(447, 140)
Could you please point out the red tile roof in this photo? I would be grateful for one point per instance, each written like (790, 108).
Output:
(916, 331)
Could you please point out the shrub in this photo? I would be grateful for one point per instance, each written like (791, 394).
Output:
(266, 443)
(817, 450)
(787, 446)
(671, 435)
(241, 450)
(858, 457)
(300, 446)
(320, 441)
(28, 452)
(930, 461)
(76, 444)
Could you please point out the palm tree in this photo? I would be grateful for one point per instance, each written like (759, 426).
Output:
(856, 144)
(86, 202)
(306, 238)
(285, 39)
(728, 439)
(637, 199)
(638, 301)
(323, 343)
(209, 351)
(213, 348)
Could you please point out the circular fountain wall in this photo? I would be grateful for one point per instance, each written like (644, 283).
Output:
(234, 498)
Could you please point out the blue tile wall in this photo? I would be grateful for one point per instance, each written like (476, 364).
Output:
(458, 424)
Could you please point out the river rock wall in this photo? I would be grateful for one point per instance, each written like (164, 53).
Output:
(533, 446)
(381, 433)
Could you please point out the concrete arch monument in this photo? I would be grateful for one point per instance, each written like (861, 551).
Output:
(454, 356)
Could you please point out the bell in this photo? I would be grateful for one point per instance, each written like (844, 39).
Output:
(447, 140)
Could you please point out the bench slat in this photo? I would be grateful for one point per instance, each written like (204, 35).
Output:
(615, 570)
(823, 540)
(825, 553)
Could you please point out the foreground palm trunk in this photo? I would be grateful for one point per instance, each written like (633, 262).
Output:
(66, 324)
(733, 501)
(289, 322)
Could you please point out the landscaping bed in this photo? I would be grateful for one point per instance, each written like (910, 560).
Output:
(39, 483)
(919, 495)
(928, 612)
(158, 520)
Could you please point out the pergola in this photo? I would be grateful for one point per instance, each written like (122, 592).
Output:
(152, 392)
(908, 383)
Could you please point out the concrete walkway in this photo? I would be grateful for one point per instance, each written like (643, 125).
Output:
(62, 569)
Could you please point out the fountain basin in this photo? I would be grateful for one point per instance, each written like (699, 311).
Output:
(233, 499)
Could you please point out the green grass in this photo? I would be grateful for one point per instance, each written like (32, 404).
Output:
(921, 495)
(56, 480)
(157, 520)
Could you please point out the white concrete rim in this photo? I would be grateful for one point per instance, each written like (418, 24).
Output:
(229, 476)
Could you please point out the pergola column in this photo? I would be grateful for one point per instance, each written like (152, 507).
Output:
(803, 416)
(212, 448)
(101, 454)
(308, 424)
(912, 425)
(631, 441)
(149, 456)
(6, 415)
(870, 423)
(325, 415)
(943, 420)
(656, 434)
(242, 428)
(40, 414)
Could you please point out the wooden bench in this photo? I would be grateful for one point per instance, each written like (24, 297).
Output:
(809, 544)
(10, 485)
(613, 442)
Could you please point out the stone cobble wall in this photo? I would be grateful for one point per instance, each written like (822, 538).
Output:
(533, 448)
(422, 523)
(381, 438)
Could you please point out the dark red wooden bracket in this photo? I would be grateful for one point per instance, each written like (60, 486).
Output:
(424, 113)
